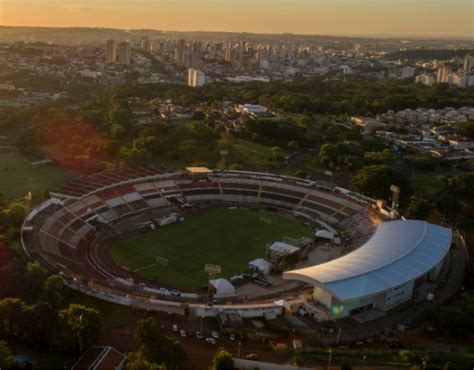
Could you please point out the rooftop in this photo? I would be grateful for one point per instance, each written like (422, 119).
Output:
(398, 252)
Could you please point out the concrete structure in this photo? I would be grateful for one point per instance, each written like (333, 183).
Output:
(124, 53)
(110, 51)
(408, 72)
(442, 76)
(425, 79)
(196, 78)
(180, 53)
(381, 274)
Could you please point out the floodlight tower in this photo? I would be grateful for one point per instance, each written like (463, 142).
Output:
(224, 153)
(395, 197)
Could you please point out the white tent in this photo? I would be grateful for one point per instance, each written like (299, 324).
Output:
(261, 265)
(223, 288)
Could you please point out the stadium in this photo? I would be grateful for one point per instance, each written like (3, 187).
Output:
(203, 242)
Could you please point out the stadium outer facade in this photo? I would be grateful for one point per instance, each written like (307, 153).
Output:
(64, 232)
(381, 274)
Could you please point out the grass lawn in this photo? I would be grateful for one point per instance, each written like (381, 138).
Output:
(17, 178)
(231, 238)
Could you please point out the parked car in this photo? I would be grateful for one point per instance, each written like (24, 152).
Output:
(211, 340)
(214, 334)
(174, 328)
(252, 356)
(183, 333)
(199, 335)
(232, 337)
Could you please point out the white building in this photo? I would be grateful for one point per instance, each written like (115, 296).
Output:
(408, 72)
(252, 110)
(425, 79)
(381, 274)
(222, 288)
(196, 78)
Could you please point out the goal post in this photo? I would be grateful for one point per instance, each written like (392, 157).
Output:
(265, 220)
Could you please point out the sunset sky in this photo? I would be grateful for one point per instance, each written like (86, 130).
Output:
(335, 17)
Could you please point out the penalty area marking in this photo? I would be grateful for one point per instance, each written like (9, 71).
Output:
(144, 268)
(158, 261)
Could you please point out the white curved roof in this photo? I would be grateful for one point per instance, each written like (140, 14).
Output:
(398, 252)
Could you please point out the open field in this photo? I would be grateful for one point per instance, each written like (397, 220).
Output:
(229, 237)
(17, 178)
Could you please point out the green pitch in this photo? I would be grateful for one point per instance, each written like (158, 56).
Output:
(228, 237)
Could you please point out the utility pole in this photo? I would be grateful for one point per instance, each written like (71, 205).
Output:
(338, 335)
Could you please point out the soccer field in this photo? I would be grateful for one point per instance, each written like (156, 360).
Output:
(228, 237)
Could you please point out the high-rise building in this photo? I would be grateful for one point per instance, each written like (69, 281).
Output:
(124, 53)
(110, 51)
(229, 54)
(468, 66)
(145, 43)
(408, 72)
(196, 78)
(442, 75)
(180, 53)
(194, 56)
(425, 79)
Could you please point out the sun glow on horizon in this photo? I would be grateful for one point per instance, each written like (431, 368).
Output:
(357, 17)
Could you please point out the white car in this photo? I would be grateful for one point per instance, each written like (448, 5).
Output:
(199, 335)
(183, 333)
(174, 328)
(232, 337)
(214, 334)
(211, 340)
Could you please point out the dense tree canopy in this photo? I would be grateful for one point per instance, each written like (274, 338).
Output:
(375, 181)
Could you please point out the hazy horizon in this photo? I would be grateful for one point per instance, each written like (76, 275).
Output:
(363, 18)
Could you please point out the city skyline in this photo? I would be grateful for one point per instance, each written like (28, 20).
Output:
(340, 17)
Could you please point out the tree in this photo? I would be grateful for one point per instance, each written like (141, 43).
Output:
(34, 279)
(199, 115)
(158, 348)
(448, 205)
(11, 316)
(81, 326)
(235, 167)
(296, 360)
(39, 318)
(375, 181)
(276, 153)
(383, 157)
(419, 208)
(7, 360)
(222, 360)
(53, 290)
(136, 361)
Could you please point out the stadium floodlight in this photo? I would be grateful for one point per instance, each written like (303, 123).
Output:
(212, 269)
(223, 153)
